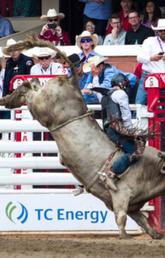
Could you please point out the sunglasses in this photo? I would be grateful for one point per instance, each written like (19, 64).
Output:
(83, 40)
(51, 20)
(44, 57)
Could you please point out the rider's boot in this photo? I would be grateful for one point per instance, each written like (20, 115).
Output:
(109, 180)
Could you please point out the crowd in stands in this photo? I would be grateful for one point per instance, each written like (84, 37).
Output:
(101, 27)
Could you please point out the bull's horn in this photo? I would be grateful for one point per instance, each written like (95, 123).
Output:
(161, 155)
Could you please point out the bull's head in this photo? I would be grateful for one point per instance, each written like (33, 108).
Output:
(17, 98)
(162, 156)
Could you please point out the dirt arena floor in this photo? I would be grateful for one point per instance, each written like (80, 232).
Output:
(95, 246)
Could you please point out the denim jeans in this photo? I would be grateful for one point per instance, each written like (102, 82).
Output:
(127, 145)
(141, 96)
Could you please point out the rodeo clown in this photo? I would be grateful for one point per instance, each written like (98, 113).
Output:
(117, 124)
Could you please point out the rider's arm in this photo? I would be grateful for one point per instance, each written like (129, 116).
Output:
(121, 98)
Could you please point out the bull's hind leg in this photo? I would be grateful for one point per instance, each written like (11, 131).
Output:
(142, 221)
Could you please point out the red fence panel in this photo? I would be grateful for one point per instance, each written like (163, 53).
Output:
(155, 86)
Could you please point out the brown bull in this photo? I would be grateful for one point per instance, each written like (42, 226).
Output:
(84, 148)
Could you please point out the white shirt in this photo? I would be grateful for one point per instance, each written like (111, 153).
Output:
(150, 47)
(54, 68)
(121, 98)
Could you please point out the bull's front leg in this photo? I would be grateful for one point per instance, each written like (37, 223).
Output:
(142, 221)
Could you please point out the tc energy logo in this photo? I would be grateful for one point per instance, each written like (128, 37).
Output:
(16, 212)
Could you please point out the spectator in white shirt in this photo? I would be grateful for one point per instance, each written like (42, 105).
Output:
(45, 64)
(117, 35)
(152, 57)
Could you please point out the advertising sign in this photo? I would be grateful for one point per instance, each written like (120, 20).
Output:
(56, 212)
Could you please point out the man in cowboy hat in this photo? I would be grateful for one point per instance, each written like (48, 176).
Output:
(87, 42)
(152, 57)
(100, 74)
(17, 63)
(45, 64)
(52, 30)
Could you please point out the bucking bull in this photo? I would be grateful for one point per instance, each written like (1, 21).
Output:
(84, 147)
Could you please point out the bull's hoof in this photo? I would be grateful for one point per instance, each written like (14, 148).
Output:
(158, 236)
(125, 236)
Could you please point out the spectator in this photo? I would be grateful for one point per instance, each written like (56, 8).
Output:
(78, 63)
(138, 33)
(151, 14)
(45, 64)
(152, 57)
(87, 42)
(90, 26)
(52, 30)
(100, 74)
(16, 64)
(61, 37)
(126, 6)
(99, 12)
(6, 27)
(117, 35)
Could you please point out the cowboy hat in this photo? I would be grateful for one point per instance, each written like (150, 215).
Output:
(2, 54)
(86, 34)
(75, 59)
(42, 52)
(94, 60)
(160, 25)
(52, 14)
(7, 49)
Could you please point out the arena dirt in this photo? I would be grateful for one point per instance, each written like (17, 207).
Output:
(52, 246)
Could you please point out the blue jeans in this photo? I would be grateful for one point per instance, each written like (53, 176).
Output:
(141, 96)
(127, 145)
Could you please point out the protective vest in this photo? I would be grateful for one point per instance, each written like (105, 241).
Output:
(110, 110)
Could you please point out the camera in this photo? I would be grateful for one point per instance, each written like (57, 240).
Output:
(52, 25)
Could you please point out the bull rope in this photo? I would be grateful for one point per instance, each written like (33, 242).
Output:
(70, 121)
